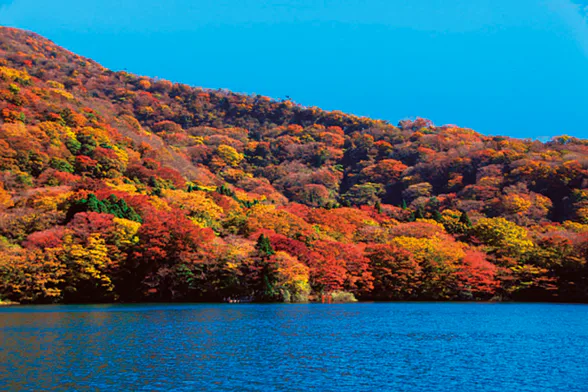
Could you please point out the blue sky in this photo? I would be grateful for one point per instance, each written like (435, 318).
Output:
(511, 67)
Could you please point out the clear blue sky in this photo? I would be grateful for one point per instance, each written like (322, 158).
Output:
(513, 67)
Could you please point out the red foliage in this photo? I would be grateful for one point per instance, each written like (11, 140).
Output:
(476, 275)
(85, 224)
(335, 266)
(169, 237)
(85, 164)
(396, 273)
(51, 238)
(173, 176)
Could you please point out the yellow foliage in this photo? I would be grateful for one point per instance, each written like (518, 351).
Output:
(49, 201)
(489, 181)
(125, 231)
(526, 276)
(200, 207)
(119, 185)
(59, 88)
(32, 276)
(268, 217)
(499, 233)
(428, 249)
(159, 203)
(242, 195)
(122, 155)
(431, 222)
(7, 73)
(88, 263)
(234, 175)
(583, 214)
(5, 198)
(575, 227)
(56, 132)
(237, 252)
(206, 188)
(451, 221)
(354, 216)
(195, 140)
(450, 215)
(133, 123)
(543, 203)
(516, 204)
(54, 84)
(100, 135)
(293, 277)
(229, 155)
(63, 93)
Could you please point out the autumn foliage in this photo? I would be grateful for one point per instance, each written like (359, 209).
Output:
(116, 187)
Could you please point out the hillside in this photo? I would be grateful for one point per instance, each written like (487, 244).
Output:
(116, 187)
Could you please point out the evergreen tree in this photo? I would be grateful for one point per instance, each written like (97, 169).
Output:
(269, 291)
(465, 219)
(152, 182)
(120, 209)
(378, 207)
(93, 204)
(404, 206)
(111, 205)
(225, 190)
(264, 246)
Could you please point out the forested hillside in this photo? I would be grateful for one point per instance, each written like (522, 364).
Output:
(117, 187)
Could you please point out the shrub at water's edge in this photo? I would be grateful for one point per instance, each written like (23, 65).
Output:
(7, 303)
(342, 296)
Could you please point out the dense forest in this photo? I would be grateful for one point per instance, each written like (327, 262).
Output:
(117, 187)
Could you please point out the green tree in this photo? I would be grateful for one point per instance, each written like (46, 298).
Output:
(465, 219)
(264, 246)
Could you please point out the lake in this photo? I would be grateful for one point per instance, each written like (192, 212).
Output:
(251, 347)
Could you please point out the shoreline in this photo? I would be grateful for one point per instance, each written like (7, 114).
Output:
(9, 303)
(359, 302)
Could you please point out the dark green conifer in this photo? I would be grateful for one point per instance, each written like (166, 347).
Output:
(378, 207)
(264, 246)
(465, 219)
(94, 205)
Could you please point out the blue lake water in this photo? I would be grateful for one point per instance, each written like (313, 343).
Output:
(248, 347)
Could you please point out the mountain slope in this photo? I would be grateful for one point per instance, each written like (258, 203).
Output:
(120, 187)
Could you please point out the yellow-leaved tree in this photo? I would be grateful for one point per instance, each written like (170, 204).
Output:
(200, 208)
(503, 238)
(229, 155)
(292, 278)
(438, 260)
(5, 198)
(30, 276)
(88, 269)
(125, 232)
